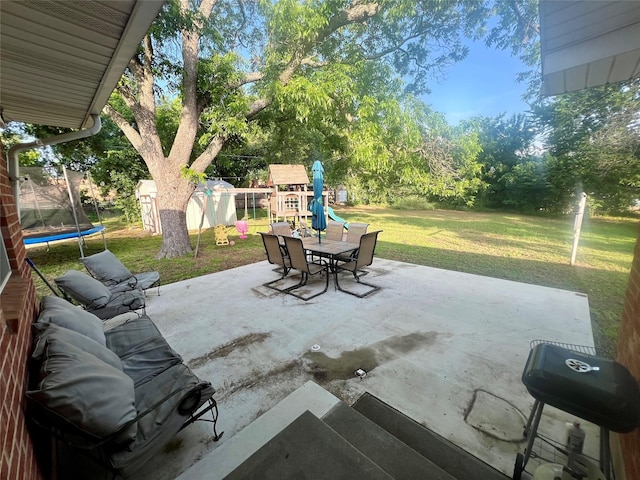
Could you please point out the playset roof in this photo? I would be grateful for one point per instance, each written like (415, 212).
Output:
(287, 175)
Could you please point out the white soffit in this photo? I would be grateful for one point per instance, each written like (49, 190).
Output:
(60, 60)
(585, 43)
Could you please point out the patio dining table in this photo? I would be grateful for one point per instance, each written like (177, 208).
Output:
(329, 249)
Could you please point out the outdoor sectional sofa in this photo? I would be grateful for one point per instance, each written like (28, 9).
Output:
(115, 391)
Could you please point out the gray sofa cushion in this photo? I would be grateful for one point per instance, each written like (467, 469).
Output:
(142, 349)
(74, 318)
(106, 267)
(75, 393)
(162, 423)
(120, 303)
(46, 333)
(126, 338)
(84, 288)
(77, 387)
(139, 280)
(146, 279)
(51, 301)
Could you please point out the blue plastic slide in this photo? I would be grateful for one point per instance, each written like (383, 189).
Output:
(333, 216)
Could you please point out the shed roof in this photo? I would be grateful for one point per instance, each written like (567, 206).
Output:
(215, 185)
(287, 175)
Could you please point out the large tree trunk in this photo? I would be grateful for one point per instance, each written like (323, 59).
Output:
(173, 196)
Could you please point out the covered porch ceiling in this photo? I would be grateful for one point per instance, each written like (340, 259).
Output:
(586, 43)
(62, 59)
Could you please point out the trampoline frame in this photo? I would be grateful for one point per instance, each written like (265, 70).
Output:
(63, 236)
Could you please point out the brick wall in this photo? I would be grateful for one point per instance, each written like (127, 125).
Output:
(629, 355)
(17, 312)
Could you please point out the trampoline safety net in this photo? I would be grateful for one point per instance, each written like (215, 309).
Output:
(46, 204)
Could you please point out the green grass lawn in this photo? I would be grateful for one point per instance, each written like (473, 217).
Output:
(522, 248)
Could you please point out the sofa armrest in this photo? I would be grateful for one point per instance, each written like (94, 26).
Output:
(65, 431)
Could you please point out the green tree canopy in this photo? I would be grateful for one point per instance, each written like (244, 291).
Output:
(508, 161)
(237, 68)
(594, 137)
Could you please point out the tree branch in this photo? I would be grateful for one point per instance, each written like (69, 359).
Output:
(191, 107)
(249, 78)
(131, 133)
(148, 54)
(357, 13)
(524, 23)
(201, 163)
(257, 106)
(127, 95)
(136, 67)
(309, 61)
(144, 110)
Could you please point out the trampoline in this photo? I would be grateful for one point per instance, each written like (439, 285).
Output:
(62, 236)
(51, 209)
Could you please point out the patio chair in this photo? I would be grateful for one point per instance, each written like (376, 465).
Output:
(96, 298)
(109, 270)
(298, 259)
(356, 230)
(304, 229)
(363, 259)
(276, 255)
(282, 229)
(335, 230)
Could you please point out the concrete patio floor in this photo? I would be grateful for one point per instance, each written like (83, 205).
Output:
(445, 348)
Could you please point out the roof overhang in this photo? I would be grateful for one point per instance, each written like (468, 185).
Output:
(585, 43)
(62, 59)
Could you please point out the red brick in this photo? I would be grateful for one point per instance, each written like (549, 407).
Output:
(9, 433)
(14, 466)
(17, 455)
(4, 467)
(629, 355)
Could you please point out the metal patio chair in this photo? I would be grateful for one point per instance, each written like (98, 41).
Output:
(334, 230)
(304, 230)
(276, 255)
(96, 298)
(281, 229)
(363, 259)
(109, 270)
(298, 259)
(356, 230)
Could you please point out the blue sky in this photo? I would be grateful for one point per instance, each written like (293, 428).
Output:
(482, 84)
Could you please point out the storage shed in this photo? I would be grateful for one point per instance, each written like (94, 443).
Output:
(220, 205)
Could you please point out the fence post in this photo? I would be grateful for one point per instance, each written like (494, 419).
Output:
(577, 226)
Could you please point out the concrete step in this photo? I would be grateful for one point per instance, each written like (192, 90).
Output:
(449, 457)
(231, 452)
(388, 452)
(308, 449)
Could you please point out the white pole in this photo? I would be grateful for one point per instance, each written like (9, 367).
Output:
(204, 212)
(95, 205)
(73, 209)
(577, 226)
(35, 200)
